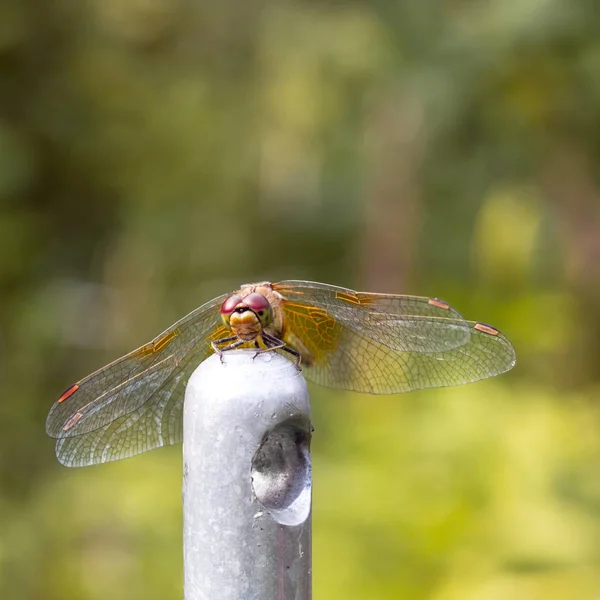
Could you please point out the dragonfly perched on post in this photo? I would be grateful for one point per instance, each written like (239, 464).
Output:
(372, 343)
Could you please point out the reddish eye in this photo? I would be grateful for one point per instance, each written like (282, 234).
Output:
(229, 305)
(257, 302)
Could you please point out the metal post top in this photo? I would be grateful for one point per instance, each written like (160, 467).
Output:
(245, 374)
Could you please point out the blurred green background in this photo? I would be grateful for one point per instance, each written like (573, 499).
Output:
(157, 153)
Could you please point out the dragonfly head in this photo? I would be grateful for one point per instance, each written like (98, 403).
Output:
(247, 316)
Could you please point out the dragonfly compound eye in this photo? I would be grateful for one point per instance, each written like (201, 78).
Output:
(229, 306)
(260, 306)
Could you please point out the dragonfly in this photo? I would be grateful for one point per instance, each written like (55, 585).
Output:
(362, 342)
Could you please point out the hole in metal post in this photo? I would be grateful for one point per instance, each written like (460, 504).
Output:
(282, 472)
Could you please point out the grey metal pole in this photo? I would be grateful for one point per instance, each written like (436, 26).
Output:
(247, 480)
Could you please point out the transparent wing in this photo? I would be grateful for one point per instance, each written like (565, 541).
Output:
(156, 423)
(135, 403)
(384, 344)
(403, 323)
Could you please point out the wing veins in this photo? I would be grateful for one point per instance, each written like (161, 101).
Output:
(125, 382)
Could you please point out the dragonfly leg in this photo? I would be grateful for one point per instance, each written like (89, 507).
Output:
(235, 343)
(274, 343)
(296, 354)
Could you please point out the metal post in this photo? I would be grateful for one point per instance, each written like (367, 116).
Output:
(247, 480)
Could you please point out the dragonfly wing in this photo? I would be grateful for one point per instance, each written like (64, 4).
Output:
(364, 365)
(353, 351)
(145, 375)
(157, 422)
(402, 323)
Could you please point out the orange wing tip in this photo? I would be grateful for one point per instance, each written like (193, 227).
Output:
(486, 329)
(72, 421)
(439, 303)
(68, 393)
